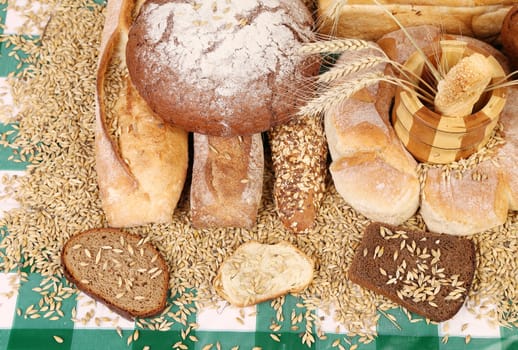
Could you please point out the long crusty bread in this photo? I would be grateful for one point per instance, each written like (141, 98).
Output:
(119, 269)
(427, 273)
(365, 19)
(258, 272)
(227, 180)
(141, 172)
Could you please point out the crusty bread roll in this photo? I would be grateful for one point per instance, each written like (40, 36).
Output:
(258, 272)
(141, 174)
(223, 67)
(364, 19)
(119, 269)
(227, 180)
(299, 157)
(371, 169)
(467, 203)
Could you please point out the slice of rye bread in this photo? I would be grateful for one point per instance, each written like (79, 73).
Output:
(119, 269)
(427, 273)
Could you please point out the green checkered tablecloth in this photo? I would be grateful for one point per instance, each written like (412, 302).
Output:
(224, 328)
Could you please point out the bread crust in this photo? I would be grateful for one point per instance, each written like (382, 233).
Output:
(227, 181)
(125, 311)
(464, 204)
(509, 35)
(507, 154)
(141, 174)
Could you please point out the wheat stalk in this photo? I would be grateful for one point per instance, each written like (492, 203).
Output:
(504, 82)
(342, 70)
(337, 94)
(336, 46)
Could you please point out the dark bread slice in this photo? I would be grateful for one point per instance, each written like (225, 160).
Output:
(427, 273)
(119, 269)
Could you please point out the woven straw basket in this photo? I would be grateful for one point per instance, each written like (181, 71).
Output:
(435, 138)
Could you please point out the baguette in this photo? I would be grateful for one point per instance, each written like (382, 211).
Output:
(397, 262)
(299, 154)
(258, 272)
(227, 181)
(118, 269)
(366, 20)
(142, 170)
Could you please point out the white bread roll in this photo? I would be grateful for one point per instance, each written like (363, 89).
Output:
(258, 272)
(371, 169)
(142, 173)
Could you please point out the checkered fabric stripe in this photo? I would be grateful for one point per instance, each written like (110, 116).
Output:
(224, 328)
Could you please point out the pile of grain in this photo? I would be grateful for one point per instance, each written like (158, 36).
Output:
(59, 197)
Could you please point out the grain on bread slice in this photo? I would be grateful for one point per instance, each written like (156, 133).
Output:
(119, 269)
(427, 273)
(257, 272)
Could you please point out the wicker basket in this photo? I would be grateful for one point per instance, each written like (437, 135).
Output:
(436, 138)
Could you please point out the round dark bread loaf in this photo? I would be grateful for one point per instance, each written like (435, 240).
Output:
(222, 67)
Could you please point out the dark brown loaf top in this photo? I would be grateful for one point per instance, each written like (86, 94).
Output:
(119, 269)
(427, 273)
(223, 67)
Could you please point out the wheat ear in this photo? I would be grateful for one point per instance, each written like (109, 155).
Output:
(337, 94)
(407, 86)
(342, 70)
(336, 46)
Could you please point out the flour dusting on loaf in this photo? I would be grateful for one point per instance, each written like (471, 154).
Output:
(213, 28)
(202, 65)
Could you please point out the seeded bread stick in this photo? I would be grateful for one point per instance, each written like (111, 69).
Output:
(299, 155)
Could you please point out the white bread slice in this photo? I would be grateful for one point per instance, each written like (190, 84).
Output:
(119, 269)
(257, 272)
